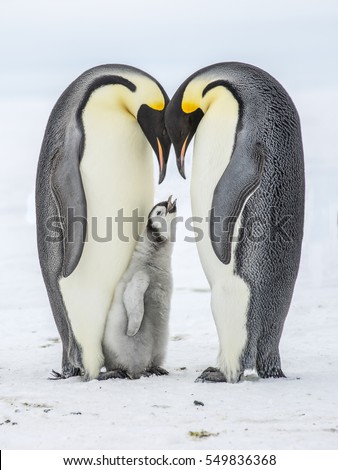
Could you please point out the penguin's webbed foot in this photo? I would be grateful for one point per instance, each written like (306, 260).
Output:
(66, 373)
(113, 374)
(211, 374)
(155, 370)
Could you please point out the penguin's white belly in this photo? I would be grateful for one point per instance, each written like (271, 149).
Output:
(117, 173)
(229, 293)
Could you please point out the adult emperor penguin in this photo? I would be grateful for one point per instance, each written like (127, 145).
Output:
(247, 173)
(95, 162)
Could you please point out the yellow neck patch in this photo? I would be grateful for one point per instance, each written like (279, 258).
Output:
(159, 105)
(189, 107)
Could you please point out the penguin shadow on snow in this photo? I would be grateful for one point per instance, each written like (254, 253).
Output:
(51, 342)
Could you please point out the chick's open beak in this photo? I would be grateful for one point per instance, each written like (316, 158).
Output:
(171, 205)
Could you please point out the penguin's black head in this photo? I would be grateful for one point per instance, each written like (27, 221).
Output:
(181, 125)
(160, 219)
(153, 126)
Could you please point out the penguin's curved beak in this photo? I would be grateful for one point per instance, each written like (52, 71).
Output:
(153, 127)
(181, 128)
(180, 155)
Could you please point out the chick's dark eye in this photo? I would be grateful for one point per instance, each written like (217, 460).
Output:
(158, 213)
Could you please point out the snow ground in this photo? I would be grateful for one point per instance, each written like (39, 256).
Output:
(300, 412)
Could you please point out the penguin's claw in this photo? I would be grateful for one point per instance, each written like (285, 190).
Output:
(211, 374)
(66, 374)
(56, 375)
(155, 371)
(113, 374)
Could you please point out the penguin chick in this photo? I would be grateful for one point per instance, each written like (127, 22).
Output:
(136, 333)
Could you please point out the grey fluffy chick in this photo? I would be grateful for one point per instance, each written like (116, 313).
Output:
(137, 330)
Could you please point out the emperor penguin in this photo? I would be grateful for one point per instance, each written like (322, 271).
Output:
(94, 177)
(247, 189)
(137, 329)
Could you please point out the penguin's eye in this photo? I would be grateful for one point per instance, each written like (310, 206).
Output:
(158, 213)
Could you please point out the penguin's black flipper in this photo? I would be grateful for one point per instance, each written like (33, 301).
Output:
(68, 190)
(240, 179)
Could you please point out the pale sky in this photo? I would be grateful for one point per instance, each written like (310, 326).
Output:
(46, 44)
